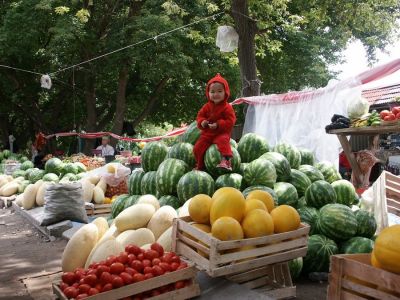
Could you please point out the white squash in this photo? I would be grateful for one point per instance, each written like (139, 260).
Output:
(102, 184)
(79, 247)
(149, 199)
(3, 180)
(184, 210)
(165, 240)
(87, 188)
(112, 232)
(102, 226)
(134, 217)
(19, 200)
(9, 189)
(104, 250)
(41, 192)
(38, 184)
(93, 179)
(162, 220)
(146, 247)
(137, 237)
(29, 196)
(98, 195)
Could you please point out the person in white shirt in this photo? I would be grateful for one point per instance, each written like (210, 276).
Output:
(105, 148)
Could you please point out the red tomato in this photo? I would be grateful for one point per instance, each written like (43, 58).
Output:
(156, 261)
(93, 265)
(71, 292)
(384, 113)
(133, 249)
(102, 269)
(181, 267)
(84, 288)
(157, 247)
(148, 276)
(69, 277)
(117, 268)
(126, 277)
(75, 285)
(396, 110)
(389, 117)
(110, 260)
(398, 115)
(167, 257)
(105, 278)
(107, 287)
(123, 258)
(92, 271)
(93, 291)
(151, 254)
(130, 270)
(90, 279)
(174, 266)
(63, 286)
(82, 296)
(166, 267)
(176, 259)
(140, 256)
(131, 258)
(138, 277)
(137, 265)
(157, 271)
(117, 282)
(179, 284)
(99, 287)
(146, 263)
(147, 270)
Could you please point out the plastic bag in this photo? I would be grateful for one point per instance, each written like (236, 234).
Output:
(357, 108)
(227, 39)
(45, 82)
(64, 202)
(113, 173)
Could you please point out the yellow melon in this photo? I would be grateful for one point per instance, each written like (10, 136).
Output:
(254, 204)
(264, 197)
(199, 208)
(227, 229)
(374, 262)
(286, 218)
(386, 249)
(227, 202)
(257, 223)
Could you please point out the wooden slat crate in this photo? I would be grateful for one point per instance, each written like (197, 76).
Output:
(97, 209)
(272, 280)
(392, 184)
(189, 291)
(222, 258)
(353, 277)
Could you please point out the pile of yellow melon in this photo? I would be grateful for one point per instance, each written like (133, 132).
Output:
(229, 216)
(386, 253)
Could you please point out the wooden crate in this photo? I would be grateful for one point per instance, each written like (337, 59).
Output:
(97, 209)
(217, 260)
(353, 277)
(392, 185)
(272, 280)
(187, 292)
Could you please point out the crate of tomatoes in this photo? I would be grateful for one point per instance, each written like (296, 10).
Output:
(132, 275)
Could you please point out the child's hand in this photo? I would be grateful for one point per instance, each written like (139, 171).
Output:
(204, 124)
(213, 125)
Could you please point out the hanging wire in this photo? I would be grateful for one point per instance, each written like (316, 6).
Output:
(73, 94)
(22, 70)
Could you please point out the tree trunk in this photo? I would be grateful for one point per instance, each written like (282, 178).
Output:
(90, 99)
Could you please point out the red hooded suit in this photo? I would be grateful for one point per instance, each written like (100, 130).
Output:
(222, 114)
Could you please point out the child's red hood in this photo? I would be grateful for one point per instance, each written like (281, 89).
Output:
(218, 78)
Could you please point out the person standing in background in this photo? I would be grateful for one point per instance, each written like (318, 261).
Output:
(105, 148)
(11, 140)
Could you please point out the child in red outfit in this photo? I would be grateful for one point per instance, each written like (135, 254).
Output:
(215, 120)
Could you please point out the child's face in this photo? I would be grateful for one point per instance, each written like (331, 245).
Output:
(216, 92)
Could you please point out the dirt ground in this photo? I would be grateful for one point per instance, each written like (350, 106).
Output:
(30, 262)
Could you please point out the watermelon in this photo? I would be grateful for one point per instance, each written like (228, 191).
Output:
(69, 168)
(302, 202)
(50, 177)
(243, 167)
(153, 154)
(300, 181)
(331, 174)
(295, 267)
(131, 200)
(251, 146)
(309, 215)
(68, 177)
(320, 193)
(191, 134)
(118, 205)
(36, 175)
(23, 159)
(81, 175)
(281, 164)
(213, 158)
(312, 172)
(6, 154)
(260, 172)
(233, 143)
(194, 183)
(149, 184)
(26, 165)
(320, 249)
(184, 152)
(170, 200)
(337, 221)
(356, 245)
(28, 172)
(291, 153)
(287, 193)
(366, 223)
(345, 192)
(168, 175)
(307, 157)
(135, 182)
(233, 180)
(18, 173)
(81, 167)
(54, 165)
(247, 191)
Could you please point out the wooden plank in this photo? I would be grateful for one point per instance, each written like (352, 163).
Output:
(392, 185)
(287, 276)
(185, 293)
(335, 277)
(393, 210)
(392, 177)
(193, 231)
(393, 202)
(370, 130)
(351, 158)
(282, 293)
(193, 243)
(184, 250)
(246, 276)
(345, 295)
(367, 291)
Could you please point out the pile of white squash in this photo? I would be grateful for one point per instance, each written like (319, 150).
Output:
(141, 224)
(10, 186)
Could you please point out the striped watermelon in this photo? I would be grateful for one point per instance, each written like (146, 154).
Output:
(213, 158)
(320, 193)
(191, 134)
(133, 199)
(233, 143)
(118, 205)
(309, 215)
(307, 157)
(153, 155)
(184, 152)
(233, 180)
(356, 245)
(281, 164)
(366, 223)
(300, 181)
(345, 192)
(331, 174)
(302, 202)
(287, 193)
(251, 146)
(168, 175)
(260, 172)
(337, 221)
(243, 167)
(295, 267)
(291, 153)
(247, 191)
(135, 182)
(312, 172)
(320, 249)
(194, 183)
(170, 200)
(149, 184)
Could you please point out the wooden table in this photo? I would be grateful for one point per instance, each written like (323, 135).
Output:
(372, 131)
